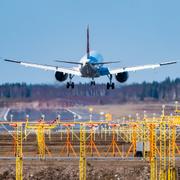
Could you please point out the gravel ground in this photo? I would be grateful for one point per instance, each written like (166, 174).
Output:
(47, 170)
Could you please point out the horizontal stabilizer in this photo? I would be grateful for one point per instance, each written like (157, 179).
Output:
(68, 62)
(79, 63)
(108, 62)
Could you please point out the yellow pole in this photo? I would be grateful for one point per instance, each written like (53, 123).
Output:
(172, 142)
(82, 159)
(152, 139)
(19, 161)
(41, 141)
(134, 138)
(162, 151)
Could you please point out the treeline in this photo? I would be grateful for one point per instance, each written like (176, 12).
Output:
(167, 90)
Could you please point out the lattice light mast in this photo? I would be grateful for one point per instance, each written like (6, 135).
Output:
(82, 158)
(18, 150)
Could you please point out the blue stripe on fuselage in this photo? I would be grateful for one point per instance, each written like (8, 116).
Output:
(103, 71)
(93, 59)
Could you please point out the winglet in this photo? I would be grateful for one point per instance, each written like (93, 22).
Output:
(88, 48)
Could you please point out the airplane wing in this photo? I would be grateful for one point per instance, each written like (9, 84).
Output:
(46, 67)
(138, 68)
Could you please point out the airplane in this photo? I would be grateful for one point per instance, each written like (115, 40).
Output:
(91, 65)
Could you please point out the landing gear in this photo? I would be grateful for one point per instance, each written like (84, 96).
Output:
(93, 83)
(110, 84)
(70, 83)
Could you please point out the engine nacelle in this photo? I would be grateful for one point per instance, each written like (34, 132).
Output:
(60, 76)
(122, 77)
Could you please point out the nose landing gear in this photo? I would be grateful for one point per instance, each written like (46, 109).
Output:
(93, 83)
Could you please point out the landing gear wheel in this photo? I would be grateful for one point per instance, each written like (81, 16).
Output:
(112, 86)
(108, 85)
(72, 85)
(67, 85)
(93, 83)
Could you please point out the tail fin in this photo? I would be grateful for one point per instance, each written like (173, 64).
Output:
(88, 49)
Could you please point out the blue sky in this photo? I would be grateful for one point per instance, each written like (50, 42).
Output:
(135, 32)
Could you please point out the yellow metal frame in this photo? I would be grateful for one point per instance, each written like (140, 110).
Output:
(158, 131)
(92, 145)
(68, 146)
(19, 154)
(40, 128)
(152, 157)
(172, 143)
(82, 158)
(133, 140)
(114, 144)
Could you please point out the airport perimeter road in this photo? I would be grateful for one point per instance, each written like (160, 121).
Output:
(3, 113)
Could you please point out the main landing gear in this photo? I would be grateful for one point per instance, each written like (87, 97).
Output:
(110, 84)
(70, 83)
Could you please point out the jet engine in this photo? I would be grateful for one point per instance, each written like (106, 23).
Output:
(122, 77)
(60, 76)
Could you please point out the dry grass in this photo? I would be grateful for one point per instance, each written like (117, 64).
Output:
(120, 110)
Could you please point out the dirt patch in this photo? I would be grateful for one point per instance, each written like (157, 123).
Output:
(96, 170)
